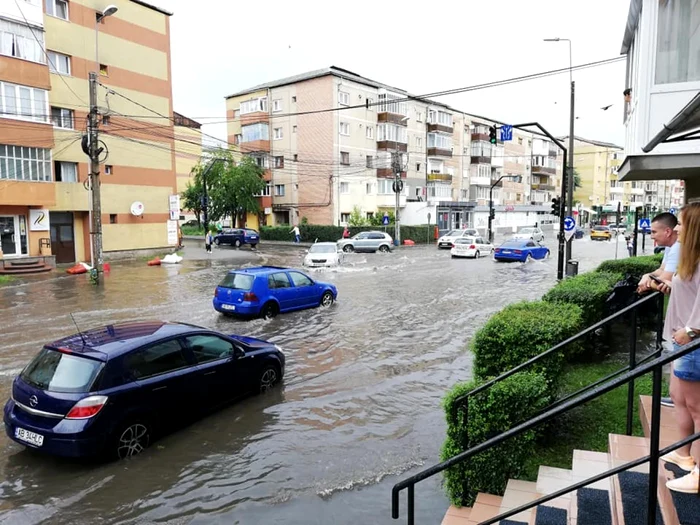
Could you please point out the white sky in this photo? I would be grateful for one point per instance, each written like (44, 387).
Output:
(219, 47)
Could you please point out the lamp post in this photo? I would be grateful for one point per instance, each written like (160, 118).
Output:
(569, 179)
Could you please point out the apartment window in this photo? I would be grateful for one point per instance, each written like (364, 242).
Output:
(391, 132)
(385, 186)
(62, 118)
(520, 141)
(344, 188)
(343, 98)
(279, 190)
(259, 131)
(435, 166)
(266, 191)
(296, 157)
(419, 142)
(66, 171)
(105, 120)
(277, 134)
(261, 160)
(57, 8)
(237, 139)
(389, 103)
(59, 63)
(368, 188)
(345, 158)
(345, 217)
(251, 106)
(294, 129)
(677, 46)
(277, 105)
(369, 132)
(23, 102)
(370, 104)
(417, 166)
(294, 99)
(104, 70)
(344, 128)
(440, 117)
(529, 143)
(108, 169)
(113, 218)
(279, 162)
(481, 149)
(370, 161)
(419, 116)
(370, 215)
(436, 140)
(236, 113)
(17, 40)
(23, 163)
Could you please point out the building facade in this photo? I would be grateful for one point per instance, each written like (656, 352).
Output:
(48, 49)
(188, 133)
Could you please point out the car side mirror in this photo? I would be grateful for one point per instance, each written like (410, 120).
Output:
(238, 353)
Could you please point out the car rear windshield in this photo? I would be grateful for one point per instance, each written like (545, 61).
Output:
(323, 249)
(56, 371)
(465, 240)
(237, 281)
(601, 228)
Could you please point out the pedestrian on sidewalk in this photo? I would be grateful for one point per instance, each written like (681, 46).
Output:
(297, 234)
(682, 327)
(208, 240)
(630, 245)
(346, 233)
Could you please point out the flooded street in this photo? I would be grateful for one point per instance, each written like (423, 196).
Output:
(359, 408)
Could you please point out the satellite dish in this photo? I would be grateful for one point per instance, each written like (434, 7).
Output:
(137, 208)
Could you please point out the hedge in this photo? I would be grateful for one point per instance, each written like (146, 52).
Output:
(633, 266)
(323, 233)
(521, 331)
(491, 413)
(589, 291)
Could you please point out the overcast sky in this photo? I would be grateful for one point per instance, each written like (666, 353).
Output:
(220, 47)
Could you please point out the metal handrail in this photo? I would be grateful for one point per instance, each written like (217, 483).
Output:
(654, 366)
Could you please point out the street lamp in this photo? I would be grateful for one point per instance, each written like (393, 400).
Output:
(516, 178)
(570, 178)
(108, 11)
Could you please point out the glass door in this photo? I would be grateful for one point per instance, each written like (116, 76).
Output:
(9, 236)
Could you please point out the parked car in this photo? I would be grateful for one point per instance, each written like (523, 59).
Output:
(323, 254)
(471, 247)
(522, 250)
(266, 291)
(617, 228)
(112, 390)
(367, 242)
(601, 233)
(237, 237)
(579, 233)
(448, 240)
(532, 233)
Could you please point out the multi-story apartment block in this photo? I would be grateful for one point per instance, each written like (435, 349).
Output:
(327, 139)
(188, 134)
(48, 48)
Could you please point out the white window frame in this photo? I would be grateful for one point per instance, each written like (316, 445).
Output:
(369, 132)
(38, 109)
(257, 131)
(279, 190)
(392, 133)
(277, 105)
(65, 118)
(51, 9)
(344, 218)
(439, 141)
(18, 162)
(368, 188)
(21, 41)
(344, 188)
(55, 60)
(343, 98)
(74, 170)
(253, 105)
(277, 133)
(344, 129)
(344, 154)
(370, 104)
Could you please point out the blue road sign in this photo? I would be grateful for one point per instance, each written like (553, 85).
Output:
(569, 224)
(644, 224)
(506, 133)
(673, 210)
(385, 220)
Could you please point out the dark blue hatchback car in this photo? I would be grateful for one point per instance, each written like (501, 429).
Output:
(112, 390)
(238, 236)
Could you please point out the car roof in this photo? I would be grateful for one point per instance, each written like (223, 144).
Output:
(115, 339)
(261, 270)
(324, 244)
(516, 242)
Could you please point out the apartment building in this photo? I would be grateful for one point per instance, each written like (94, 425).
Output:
(327, 139)
(47, 50)
(188, 136)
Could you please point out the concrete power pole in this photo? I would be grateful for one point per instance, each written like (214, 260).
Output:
(398, 188)
(94, 153)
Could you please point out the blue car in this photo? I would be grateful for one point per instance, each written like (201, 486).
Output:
(112, 390)
(237, 237)
(266, 291)
(520, 250)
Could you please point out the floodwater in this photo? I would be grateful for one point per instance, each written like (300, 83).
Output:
(359, 408)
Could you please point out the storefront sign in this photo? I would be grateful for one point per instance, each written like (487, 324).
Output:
(39, 220)
(172, 233)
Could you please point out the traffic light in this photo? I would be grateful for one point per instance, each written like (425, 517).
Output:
(493, 139)
(492, 214)
(556, 206)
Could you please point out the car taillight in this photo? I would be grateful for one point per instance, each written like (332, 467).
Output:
(472, 247)
(517, 252)
(216, 293)
(250, 296)
(86, 408)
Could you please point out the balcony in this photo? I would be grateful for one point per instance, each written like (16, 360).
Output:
(439, 152)
(388, 200)
(637, 191)
(26, 193)
(480, 137)
(391, 145)
(255, 145)
(392, 118)
(617, 189)
(435, 127)
(481, 160)
(265, 201)
(439, 177)
(254, 118)
(543, 170)
(480, 181)
(542, 187)
(388, 173)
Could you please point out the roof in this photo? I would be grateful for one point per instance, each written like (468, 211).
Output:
(593, 142)
(151, 6)
(116, 339)
(181, 120)
(631, 26)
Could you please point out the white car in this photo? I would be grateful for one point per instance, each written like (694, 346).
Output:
(471, 247)
(323, 254)
(530, 233)
(618, 228)
(448, 240)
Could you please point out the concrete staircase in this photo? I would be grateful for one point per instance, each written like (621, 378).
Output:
(25, 265)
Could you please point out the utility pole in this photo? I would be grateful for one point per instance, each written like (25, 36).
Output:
(94, 153)
(570, 179)
(398, 188)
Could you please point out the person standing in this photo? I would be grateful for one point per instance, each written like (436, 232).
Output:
(297, 234)
(682, 327)
(208, 240)
(346, 233)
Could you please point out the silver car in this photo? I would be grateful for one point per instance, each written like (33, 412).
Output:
(529, 233)
(367, 242)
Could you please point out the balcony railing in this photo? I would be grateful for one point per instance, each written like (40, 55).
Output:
(439, 152)
(543, 170)
(392, 145)
(434, 126)
(439, 177)
(543, 187)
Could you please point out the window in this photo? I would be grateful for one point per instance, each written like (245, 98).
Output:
(106, 120)
(104, 70)
(108, 169)
(23, 102)
(370, 215)
(385, 186)
(435, 166)
(344, 188)
(419, 142)
(209, 348)
(266, 191)
(296, 157)
(369, 132)
(419, 116)
(256, 104)
(440, 117)
(58, 372)
(237, 139)
(343, 98)
(389, 103)
(368, 188)
(278, 280)
(113, 218)
(678, 42)
(260, 131)
(481, 149)
(344, 128)
(294, 129)
(62, 118)
(278, 134)
(345, 158)
(520, 141)
(417, 166)
(59, 63)
(370, 104)
(17, 40)
(57, 8)
(345, 217)
(370, 161)
(391, 132)
(277, 105)
(236, 113)
(66, 171)
(155, 360)
(439, 141)
(23, 163)
(279, 162)
(279, 190)
(261, 160)
(294, 99)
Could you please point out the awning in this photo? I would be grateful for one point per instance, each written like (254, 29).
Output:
(659, 167)
(685, 126)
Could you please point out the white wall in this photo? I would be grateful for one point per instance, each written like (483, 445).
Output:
(416, 213)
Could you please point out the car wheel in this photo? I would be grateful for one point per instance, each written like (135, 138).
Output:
(528, 258)
(383, 248)
(327, 299)
(348, 248)
(268, 378)
(269, 310)
(217, 241)
(131, 439)
(237, 243)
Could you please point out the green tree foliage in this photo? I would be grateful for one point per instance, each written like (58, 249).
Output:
(356, 218)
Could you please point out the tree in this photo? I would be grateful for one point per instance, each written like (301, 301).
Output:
(356, 218)
(192, 198)
(577, 179)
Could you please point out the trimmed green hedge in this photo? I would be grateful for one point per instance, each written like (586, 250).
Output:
(521, 331)
(634, 266)
(322, 233)
(589, 291)
(492, 412)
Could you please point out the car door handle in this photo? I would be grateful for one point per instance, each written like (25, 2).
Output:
(210, 373)
(159, 388)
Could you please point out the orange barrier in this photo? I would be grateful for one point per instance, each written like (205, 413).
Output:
(436, 233)
(77, 269)
(154, 262)
(408, 242)
(106, 267)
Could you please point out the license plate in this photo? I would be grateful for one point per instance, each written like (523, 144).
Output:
(504, 251)
(228, 307)
(29, 437)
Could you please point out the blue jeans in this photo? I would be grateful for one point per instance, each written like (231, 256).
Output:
(687, 367)
(297, 238)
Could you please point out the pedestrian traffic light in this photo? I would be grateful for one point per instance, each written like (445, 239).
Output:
(556, 206)
(492, 135)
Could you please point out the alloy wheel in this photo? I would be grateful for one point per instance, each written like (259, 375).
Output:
(133, 440)
(268, 379)
(327, 299)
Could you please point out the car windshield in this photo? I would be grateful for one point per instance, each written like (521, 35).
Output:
(455, 233)
(323, 248)
(465, 240)
(601, 228)
(237, 281)
(527, 230)
(513, 244)
(56, 371)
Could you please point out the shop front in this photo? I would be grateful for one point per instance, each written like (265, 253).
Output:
(13, 235)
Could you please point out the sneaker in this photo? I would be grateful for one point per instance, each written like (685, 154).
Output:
(687, 463)
(667, 402)
(687, 484)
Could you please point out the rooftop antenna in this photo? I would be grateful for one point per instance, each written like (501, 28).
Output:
(82, 337)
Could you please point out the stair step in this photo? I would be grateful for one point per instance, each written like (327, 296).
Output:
(457, 516)
(552, 479)
(551, 516)
(593, 506)
(519, 493)
(586, 464)
(686, 506)
(18, 270)
(23, 264)
(485, 507)
(634, 489)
